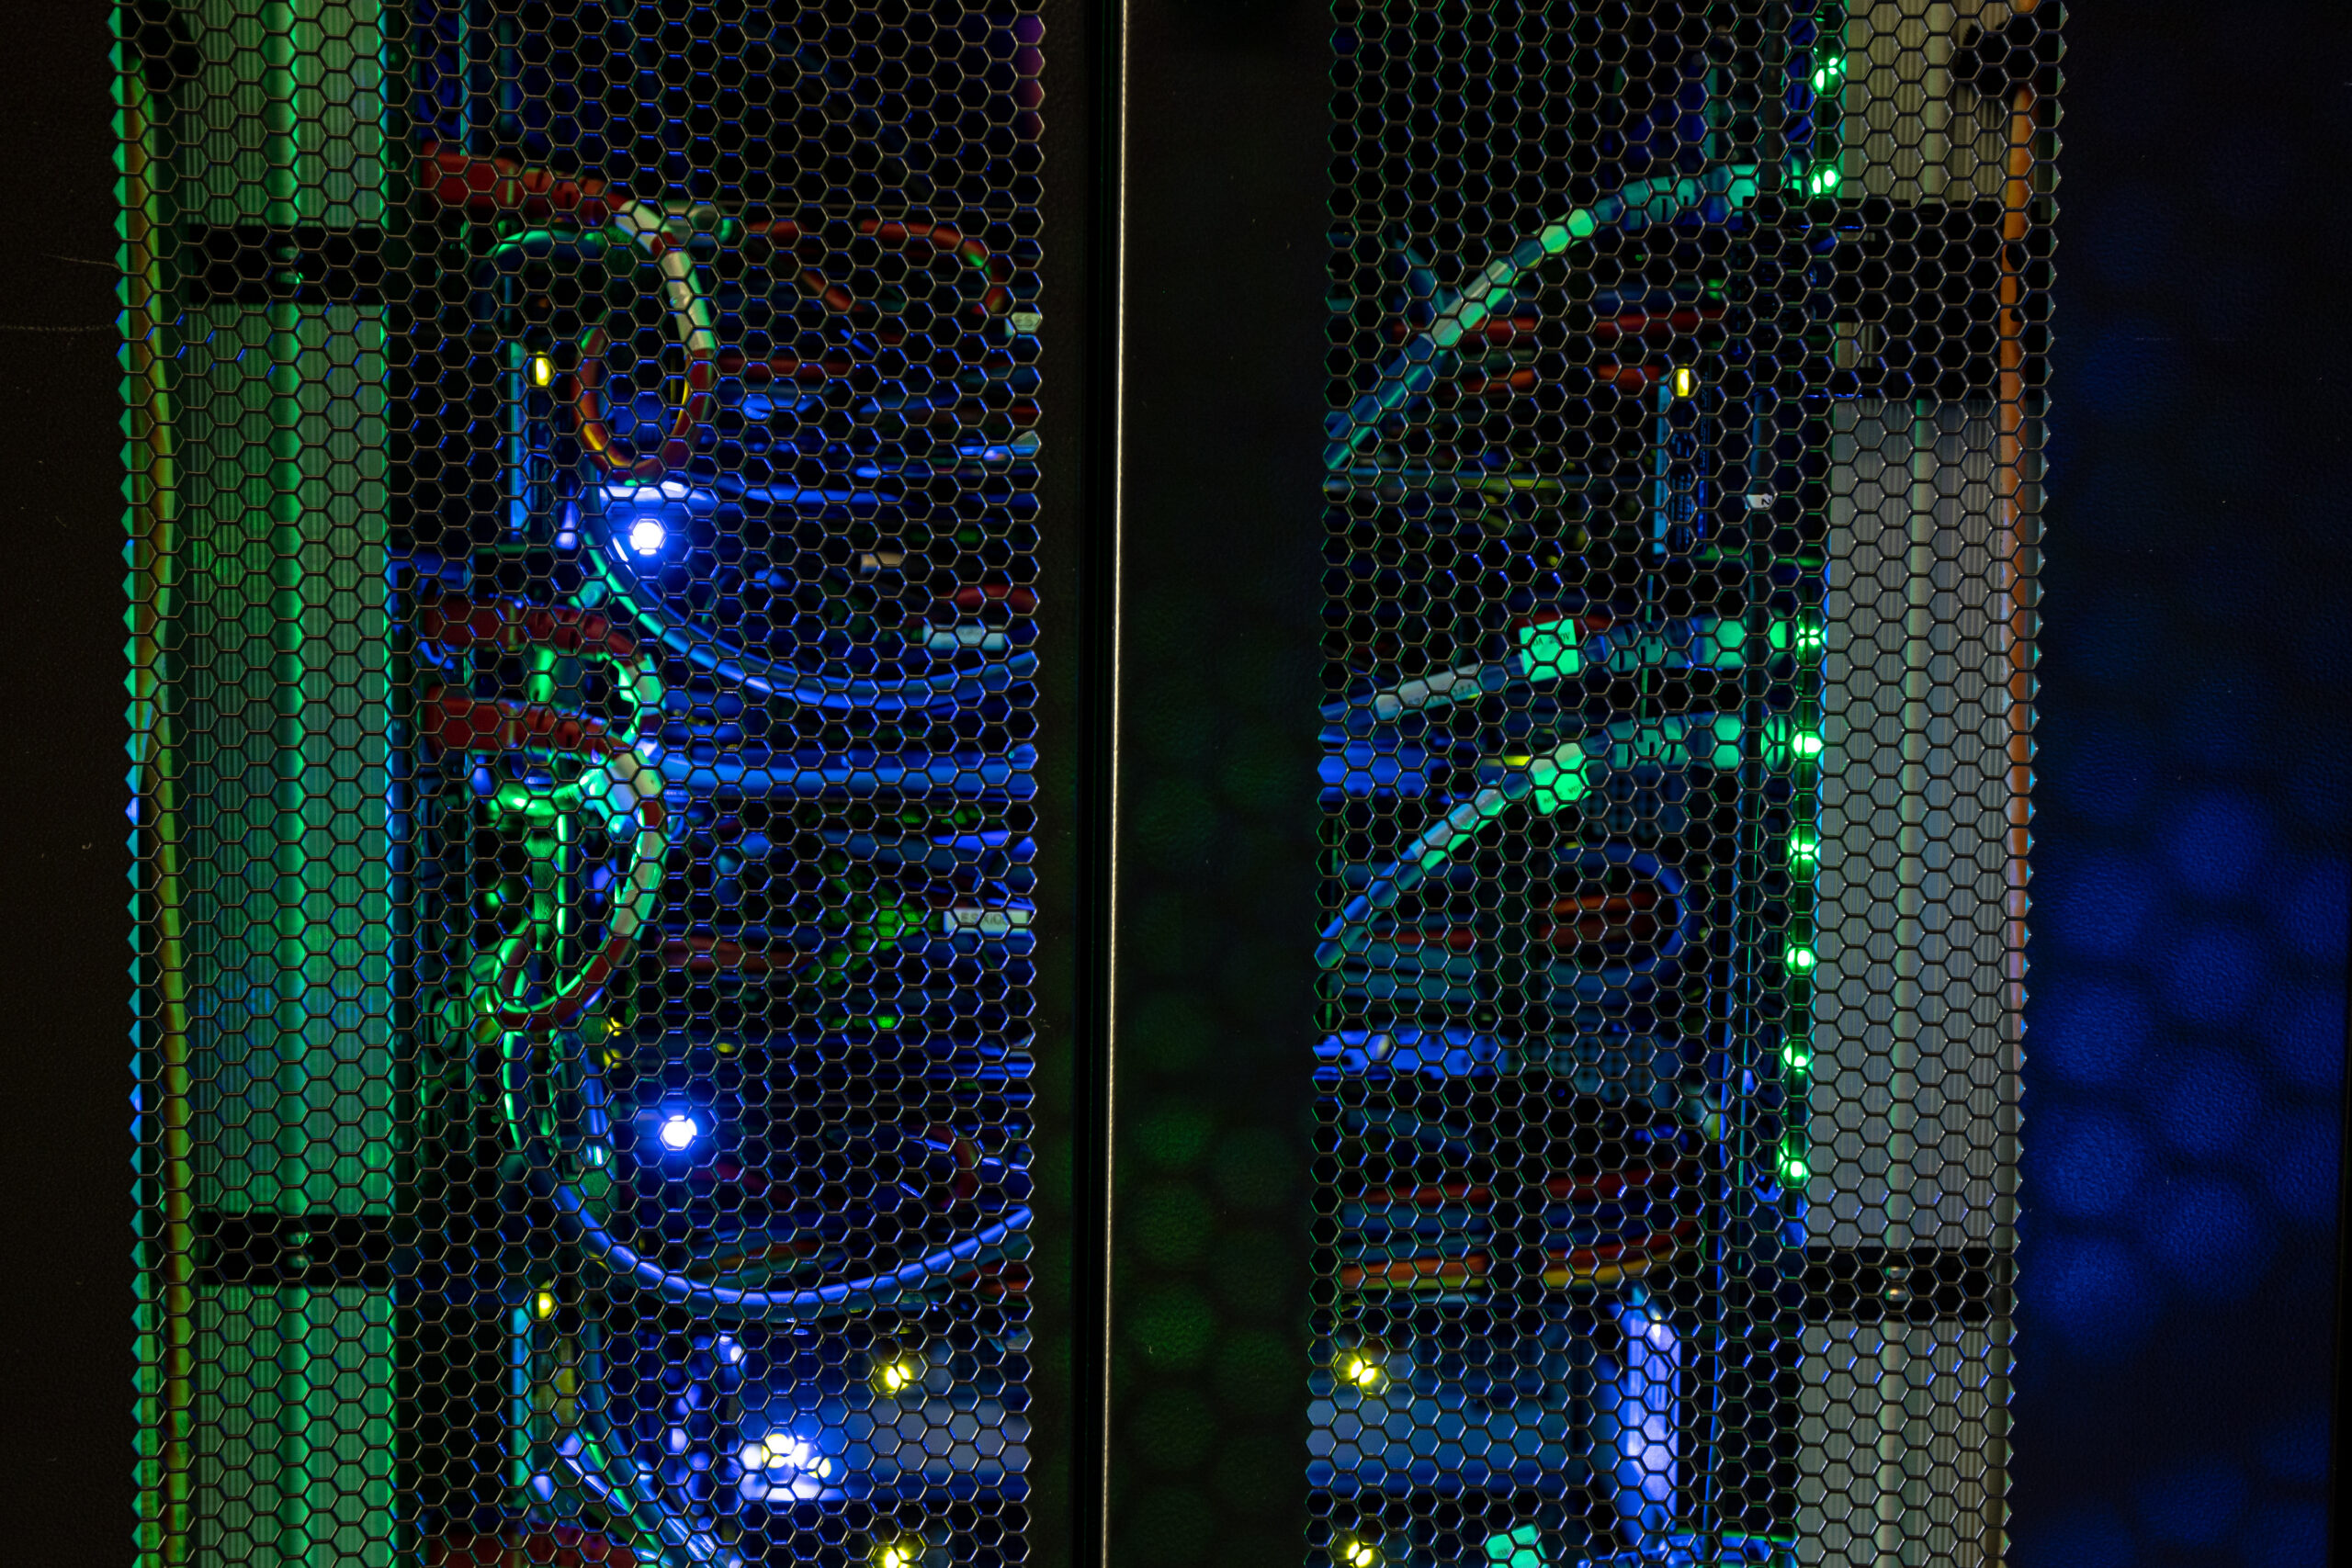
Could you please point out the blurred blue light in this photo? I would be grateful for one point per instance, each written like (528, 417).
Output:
(2195, 1504)
(2211, 1237)
(2095, 1289)
(2089, 1164)
(680, 1130)
(2090, 1032)
(646, 535)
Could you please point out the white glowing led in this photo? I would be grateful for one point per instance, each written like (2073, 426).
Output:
(646, 535)
(680, 1131)
(782, 1453)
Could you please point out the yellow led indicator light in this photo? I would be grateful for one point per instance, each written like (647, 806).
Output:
(897, 1375)
(1362, 1368)
(907, 1551)
(542, 370)
(1354, 1551)
(543, 1304)
(1686, 381)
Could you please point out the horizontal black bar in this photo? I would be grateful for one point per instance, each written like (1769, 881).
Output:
(318, 1251)
(254, 264)
(1909, 1284)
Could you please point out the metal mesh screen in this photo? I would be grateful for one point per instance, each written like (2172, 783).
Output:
(1684, 363)
(583, 480)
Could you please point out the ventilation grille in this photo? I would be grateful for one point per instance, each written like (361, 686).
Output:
(582, 474)
(1684, 397)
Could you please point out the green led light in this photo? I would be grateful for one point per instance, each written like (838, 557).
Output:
(1805, 850)
(1520, 1548)
(1795, 1171)
(1795, 1057)
(1829, 71)
(1784, 740)
(1800, 959)
(1822, 180)
(1548, 650)
(1804, 636)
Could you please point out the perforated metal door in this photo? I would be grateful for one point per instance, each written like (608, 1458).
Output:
(585, 521)
(1679, 540)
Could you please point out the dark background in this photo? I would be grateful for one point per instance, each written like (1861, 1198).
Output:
(2176, 1367)
(2184, 1035)
(65, 1047)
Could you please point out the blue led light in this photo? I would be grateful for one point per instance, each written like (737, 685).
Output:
(679, 1131)
(646, 535)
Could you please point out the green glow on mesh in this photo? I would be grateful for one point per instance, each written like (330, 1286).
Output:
(1804, 849)
(1559, 784)
(1726, 754)
(1794, 1170)
(1548, 650)
(1520, 1548)
(1785, 740)
(1799, 959)
(1803, 635)
(1796, 1057)
(1830, 70)
(1822, 180)
(1725, 642)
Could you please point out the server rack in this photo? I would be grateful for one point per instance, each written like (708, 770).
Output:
(601, 773)
(586, 551)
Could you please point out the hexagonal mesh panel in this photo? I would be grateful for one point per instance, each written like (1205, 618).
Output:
(1684, 366)
(583, 480)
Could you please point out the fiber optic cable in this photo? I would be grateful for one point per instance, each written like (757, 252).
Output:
(619, 787)
(1418, 367)
(629, 1267)
(496, 188)
(1549, 646)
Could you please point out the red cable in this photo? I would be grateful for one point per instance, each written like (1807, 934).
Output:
(595, 434)
(587, 382)
(557, 1546)
(456, 622)
(1407, 1273)
(497, 188)
(457, 722)
(1604, 1188)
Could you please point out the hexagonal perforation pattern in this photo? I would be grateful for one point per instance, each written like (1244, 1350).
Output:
(584, 469)
(1684, 365)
